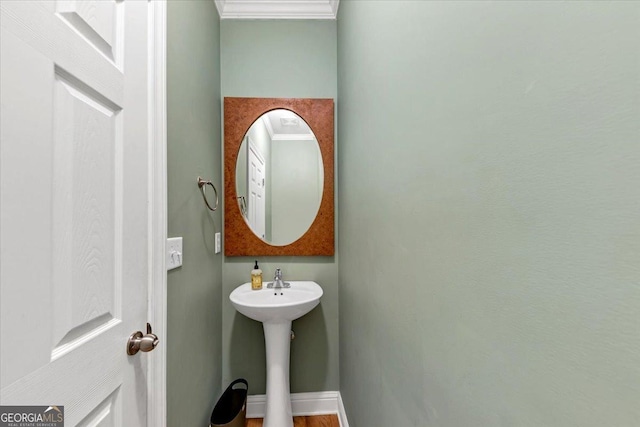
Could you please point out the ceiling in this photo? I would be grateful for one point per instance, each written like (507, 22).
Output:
(277, 9)
(284, 125)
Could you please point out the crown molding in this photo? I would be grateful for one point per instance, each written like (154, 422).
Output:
(267, 124)
(293, 137)
(277, 9)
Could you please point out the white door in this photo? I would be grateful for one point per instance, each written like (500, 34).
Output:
(256, 179)
(74, 218)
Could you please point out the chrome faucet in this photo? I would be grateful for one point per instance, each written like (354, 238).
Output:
(277, 281)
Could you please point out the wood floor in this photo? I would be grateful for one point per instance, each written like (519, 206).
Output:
(310, 421)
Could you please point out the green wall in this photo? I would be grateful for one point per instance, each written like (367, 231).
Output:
(297, 179)
(489, 213)
(281, 59)
(194, 345)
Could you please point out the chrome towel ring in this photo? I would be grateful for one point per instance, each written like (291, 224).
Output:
(201, 184)
(243, 205)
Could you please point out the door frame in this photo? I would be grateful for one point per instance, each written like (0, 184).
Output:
(253, 148)
(157, 213)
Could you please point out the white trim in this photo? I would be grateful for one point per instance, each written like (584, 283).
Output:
(317, 403)
(293, 137)
(219, 6)
(334, 6)
(157, 134)
(342, 413)
(253, 147)
(277, 9)
(267, 124)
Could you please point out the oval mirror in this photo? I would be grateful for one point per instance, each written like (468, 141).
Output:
(279, 177)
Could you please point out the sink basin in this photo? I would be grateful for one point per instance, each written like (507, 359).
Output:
(276, 309)
(276, 305)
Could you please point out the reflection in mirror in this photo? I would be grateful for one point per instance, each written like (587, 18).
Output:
(279, 177)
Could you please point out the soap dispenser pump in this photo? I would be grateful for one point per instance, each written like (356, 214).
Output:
(256, 277)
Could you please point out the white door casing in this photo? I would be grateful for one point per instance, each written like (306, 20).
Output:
(76, 229)
(256, 174)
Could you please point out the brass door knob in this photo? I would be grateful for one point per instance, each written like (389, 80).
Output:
(142, 342)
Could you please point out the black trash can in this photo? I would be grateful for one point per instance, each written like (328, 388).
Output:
(231, 408)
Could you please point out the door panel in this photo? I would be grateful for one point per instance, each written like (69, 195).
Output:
(74, 191)
(99, 22)
(87, 224)
(106, 413)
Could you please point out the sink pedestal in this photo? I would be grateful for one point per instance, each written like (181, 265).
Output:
(276, 309)
(277, 338)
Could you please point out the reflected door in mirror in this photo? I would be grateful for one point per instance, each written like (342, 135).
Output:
(256, 172)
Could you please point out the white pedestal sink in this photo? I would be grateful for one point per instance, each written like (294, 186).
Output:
(276, 308)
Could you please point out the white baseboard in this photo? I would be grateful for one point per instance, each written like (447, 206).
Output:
(342, 414)
(317, 403)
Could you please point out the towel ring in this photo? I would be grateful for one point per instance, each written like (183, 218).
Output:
(201, 184)
(243, 205)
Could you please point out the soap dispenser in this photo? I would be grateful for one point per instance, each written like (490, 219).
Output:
(256, 277)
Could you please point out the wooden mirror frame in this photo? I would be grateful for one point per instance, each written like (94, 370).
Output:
(239, 115)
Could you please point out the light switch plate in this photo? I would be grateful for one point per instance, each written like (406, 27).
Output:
(217, 243)
(174, 252)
